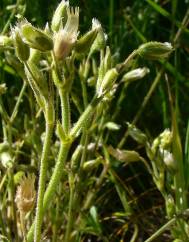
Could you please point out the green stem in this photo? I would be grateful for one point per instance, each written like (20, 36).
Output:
(84, 92)
(22, 223)
(15, 111)
(54, 181)
(6, 26)
(57, 174)
(65, 110)
(75, 189)
(135, 234)
(42, 176)
(11, 191)
(56, 222)
(2, 225)
(161, 230)
(111, 19)
(11, 185)
(123, 66)
(70, 208)
(84, 117)
(59, 167)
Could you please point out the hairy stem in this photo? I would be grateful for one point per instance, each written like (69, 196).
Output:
(63, 153)
(42, 174)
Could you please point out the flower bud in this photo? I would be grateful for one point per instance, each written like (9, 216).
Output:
(25, 195)
(84, 69)
(58, 15)
(155, 50)
(91, 164)
(108, 81)
(110, 94)
(166, 139)
(135, 74)
(99, 43)
(163, 141)
(105, 65)
(22, 50)
(84, 43)
(65, 39)
(112, 126)
(124, 155)
(36, 38)
(136, 134)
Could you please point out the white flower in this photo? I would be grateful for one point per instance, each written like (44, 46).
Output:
(169, 160)
(65, 39)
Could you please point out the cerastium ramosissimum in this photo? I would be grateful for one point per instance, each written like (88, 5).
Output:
(56, 62)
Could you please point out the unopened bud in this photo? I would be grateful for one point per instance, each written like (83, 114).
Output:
(136, 134)
(84, 69)
(135, 74)
(36, 38)
(112, 126)
(108, 81)
(166, 139)
(22, 49)
(84, 43)
(59, 14)
(99, 43)
(155, 50)
(91, 164)
(163, 141)
(110, 94)
(124, 155)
